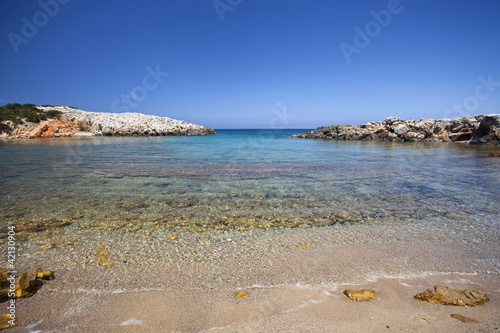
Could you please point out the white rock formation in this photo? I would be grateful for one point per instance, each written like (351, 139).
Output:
(130, 123)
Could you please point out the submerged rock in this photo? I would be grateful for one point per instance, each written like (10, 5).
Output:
(478, 129)
(102, 257)
(25, 228)
(448, 295)
(361, 295)
(304, 245)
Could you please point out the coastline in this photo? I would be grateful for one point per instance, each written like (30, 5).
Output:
(479, 129)
(188, 283)
(74, 122)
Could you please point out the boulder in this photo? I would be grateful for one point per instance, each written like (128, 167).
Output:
(401, 129)
(390, 120)
(488, 130)
(448, 295)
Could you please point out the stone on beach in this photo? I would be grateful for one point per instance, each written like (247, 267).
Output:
(6, 320)
(241, 294)
(464, 319)
(448, 295)
(25, 285)
(361, 295)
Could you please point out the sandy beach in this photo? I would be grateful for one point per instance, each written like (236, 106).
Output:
(188, 284)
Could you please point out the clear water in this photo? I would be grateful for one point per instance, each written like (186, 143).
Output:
(242, 179)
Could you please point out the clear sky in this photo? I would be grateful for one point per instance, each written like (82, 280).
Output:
(242, 63)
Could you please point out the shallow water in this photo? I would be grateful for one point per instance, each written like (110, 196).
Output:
(242, 179)
(198, 218)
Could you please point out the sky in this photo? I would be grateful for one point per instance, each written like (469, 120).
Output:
(255, 63)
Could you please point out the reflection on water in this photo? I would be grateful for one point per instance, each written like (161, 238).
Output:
(242, 180)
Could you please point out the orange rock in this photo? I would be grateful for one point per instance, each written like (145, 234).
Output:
(361, 295)
(448, 295)
(241, 294)
(493, 154)
(5, 321)
(44, 275)
(304, 245)
(102, 255)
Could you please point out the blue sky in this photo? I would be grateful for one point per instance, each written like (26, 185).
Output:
(243, 63)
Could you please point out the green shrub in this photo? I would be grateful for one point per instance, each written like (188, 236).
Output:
(16, 112)
(32, 116)
(5, 128)
(53, 114)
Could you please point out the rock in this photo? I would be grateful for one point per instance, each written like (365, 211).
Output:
(6, 321)
(464, 319)
(425, 129)
(102, 257)
(173, 236)
(44, 275)
(401, 129)
(26, 228)
(390, 120)
(493, 154)
(488, 130)
(53, 245)
(448, 295)
(361, 295)
(25, 285)
(414, 136)
(241, 294)
(3, 276)
(304, 245)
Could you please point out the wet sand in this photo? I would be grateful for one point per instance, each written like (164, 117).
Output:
(188, 284)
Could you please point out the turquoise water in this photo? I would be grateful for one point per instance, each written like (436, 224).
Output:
(242, 179)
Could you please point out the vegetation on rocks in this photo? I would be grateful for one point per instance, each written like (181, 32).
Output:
(19, 113)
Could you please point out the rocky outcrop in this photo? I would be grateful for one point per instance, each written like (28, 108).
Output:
(488, 130)
(75, 122)
(478, 129)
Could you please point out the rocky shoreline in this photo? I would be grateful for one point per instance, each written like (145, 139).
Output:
(78, 123)
(479, 129)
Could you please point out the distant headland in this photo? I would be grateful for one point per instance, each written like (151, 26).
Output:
(29, 121)
(479, 129)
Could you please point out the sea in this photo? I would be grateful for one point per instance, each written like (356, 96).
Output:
(243, 180)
